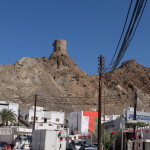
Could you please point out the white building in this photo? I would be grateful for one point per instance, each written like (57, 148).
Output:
(11, 106)
(44, 119)
(85, 122)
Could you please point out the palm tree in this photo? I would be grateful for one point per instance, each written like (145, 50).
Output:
(7, 115)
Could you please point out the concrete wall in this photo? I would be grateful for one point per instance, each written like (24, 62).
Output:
(55, 115)
(84, 124)
(39, 115)
(7, 135)
(49, 126)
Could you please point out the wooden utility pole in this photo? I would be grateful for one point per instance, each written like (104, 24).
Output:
(100, 103)
(134, 117)
(104, 121)
(34, 111)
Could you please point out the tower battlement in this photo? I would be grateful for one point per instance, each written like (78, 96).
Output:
(60, 46)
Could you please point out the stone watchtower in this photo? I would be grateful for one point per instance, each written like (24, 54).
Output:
(60, 46)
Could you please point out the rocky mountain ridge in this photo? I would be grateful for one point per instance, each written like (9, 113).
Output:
(54, 78)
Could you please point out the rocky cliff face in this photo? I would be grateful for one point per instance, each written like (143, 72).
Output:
(54, 78)
(127, 79)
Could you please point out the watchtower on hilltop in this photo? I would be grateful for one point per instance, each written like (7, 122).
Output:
(60, 46)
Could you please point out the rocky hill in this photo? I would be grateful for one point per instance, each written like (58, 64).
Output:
(61, 85)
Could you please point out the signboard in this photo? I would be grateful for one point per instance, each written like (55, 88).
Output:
(140, 116)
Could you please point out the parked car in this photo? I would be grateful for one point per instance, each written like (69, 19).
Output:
(78, 144)
(2, 145)
(7, 147)
(25, 147)
(95, 146)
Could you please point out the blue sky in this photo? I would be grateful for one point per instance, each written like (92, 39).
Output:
(91, 27)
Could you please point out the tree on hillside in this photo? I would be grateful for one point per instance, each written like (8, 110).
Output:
(6, 116)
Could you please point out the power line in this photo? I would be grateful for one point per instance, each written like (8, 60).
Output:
(132, 27)
(122, 31)
(46, 99)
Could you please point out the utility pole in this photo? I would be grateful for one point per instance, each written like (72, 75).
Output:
(104, 120)
(134, 117)
(34, 111)
(100, 103)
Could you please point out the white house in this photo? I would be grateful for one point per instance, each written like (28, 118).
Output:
(11, 106)
(44, 119)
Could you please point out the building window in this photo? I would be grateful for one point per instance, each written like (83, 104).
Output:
(45, 120)
(58, 127)
(26, 116)
(41, 124)
(57, 119)
(49, 124)
(32, 118)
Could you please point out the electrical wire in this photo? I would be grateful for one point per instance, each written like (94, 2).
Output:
(122, 31)
(132, 27)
